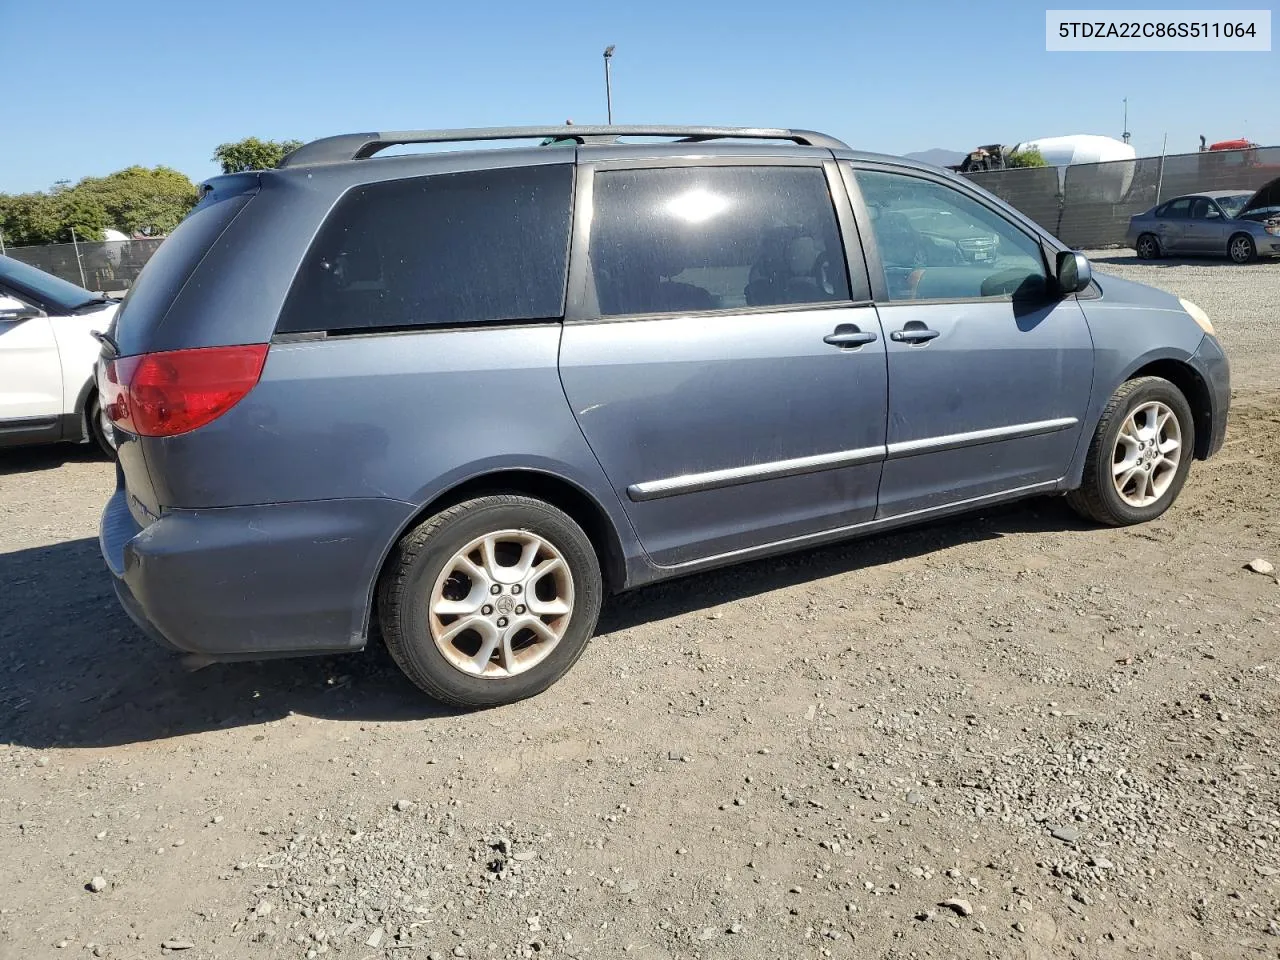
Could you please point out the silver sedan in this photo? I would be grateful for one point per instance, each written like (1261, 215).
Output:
(1241, 224)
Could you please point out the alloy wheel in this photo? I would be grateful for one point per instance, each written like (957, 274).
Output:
(501, 604)
(1147, 452)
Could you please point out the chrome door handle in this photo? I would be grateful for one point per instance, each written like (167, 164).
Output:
(919, 334)
(848, 335)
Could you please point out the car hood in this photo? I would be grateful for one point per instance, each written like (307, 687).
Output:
(1117, 290)
(102, 313)
(1267, 196)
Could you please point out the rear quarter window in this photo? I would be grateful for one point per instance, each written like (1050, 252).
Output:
(171, 266)
(487, 246)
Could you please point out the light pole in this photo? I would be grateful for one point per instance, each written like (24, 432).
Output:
(608, 86)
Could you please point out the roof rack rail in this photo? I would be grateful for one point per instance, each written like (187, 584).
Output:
(360, 146)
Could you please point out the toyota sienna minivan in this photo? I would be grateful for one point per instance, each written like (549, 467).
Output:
(456, 398)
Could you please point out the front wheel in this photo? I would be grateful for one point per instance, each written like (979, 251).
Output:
(1241, 248)
(490, 601)
(1139, 456)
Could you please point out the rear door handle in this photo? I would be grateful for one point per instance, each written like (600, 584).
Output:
(913, 334)
(848, 335)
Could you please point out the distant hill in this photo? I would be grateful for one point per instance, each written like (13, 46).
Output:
(938, 157)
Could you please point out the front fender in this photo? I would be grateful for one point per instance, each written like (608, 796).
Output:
(1108, 376)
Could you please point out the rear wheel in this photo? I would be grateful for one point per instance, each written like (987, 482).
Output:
(1241, 248)
(1148, 247)
(1139, 456)
(100, 427)
(490, 601)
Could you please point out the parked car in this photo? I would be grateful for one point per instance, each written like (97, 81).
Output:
(458, 398)
(1240, 224)
(953, 239)
(48, 391)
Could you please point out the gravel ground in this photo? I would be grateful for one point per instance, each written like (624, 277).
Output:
(1011, 735)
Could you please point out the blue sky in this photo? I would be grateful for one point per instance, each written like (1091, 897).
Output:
(91, 88)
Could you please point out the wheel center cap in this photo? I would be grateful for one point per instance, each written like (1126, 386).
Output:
(505, 604)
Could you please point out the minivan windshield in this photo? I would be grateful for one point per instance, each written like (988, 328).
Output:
(50, 291)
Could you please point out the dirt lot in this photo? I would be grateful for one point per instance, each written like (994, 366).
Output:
(1070, 733)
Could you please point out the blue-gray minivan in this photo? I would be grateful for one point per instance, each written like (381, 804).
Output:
(458, 397)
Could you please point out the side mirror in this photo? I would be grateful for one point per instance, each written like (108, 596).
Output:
(1074, 272)
(1213, 215)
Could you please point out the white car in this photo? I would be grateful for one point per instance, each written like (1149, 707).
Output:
(47, 354)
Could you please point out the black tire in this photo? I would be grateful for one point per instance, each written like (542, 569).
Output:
(404, 597)
(97, 431)
(1148, 247)
(1241, 248)
(1097, 498)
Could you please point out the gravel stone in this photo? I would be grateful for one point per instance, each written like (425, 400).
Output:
(958, 905)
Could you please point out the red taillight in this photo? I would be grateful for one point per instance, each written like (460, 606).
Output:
(164, 394)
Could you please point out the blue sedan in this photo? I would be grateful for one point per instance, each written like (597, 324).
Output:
(1238, 223)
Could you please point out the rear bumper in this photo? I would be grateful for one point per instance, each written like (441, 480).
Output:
(1211, 363)
(250, 582)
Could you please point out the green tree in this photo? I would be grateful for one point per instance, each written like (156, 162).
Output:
(34, 218)
(136, 199)
(144, 200)
(28, 218)
(1026, 158)
(253, 154)
(81, 212)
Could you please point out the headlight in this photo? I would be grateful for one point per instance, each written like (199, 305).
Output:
(1198, 315)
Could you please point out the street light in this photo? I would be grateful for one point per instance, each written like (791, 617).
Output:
(608, 86)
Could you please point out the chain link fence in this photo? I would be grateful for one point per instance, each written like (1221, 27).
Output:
(1088, 205)
(109, 266)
